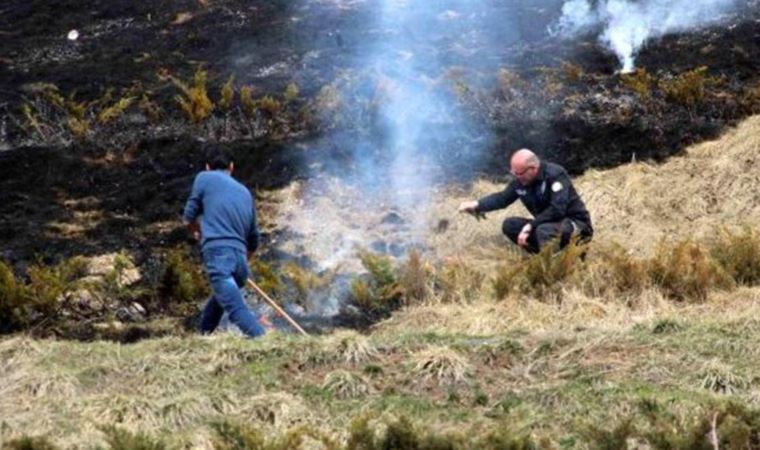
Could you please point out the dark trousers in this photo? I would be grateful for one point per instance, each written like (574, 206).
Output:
(563, 231)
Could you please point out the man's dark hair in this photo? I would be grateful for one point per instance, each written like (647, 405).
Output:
(217, 158)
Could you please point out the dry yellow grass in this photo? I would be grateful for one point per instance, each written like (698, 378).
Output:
(712, 184)
(637, 205)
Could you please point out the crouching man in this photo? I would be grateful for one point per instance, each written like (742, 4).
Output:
(227, 231)
(547, 192)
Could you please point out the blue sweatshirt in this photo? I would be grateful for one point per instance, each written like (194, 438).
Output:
(227, 210)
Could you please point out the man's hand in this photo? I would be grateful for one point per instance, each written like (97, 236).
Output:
(522, 238)
(195, 230)
(468, 207)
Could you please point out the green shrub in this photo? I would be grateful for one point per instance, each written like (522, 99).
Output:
(113, 112)
(227, 94)
(13, 295)
(615, 438)
(247, 101)
(234, 436)
(458, 282)
(295, 438)
(503, 439)
(738, 254)
(181, 282)
(30, 443)
(121, 439)
(378, 291)
(540, 275)
(415, 279)
(115, 284)
(23, 304)
(612, 271)
(304, 282)
(639, 81)
(572, 72)
(194, 100)
(291, 92)
(686, 271)
(688, 88)
(266, 277)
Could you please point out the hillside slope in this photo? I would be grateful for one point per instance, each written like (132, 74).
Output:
(587, 372)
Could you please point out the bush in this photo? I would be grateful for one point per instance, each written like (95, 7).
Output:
(194, 100)
(13, 311)
(113, 112)
(291, 93)
(121, 439)
(400, 434)
(639, 81)
(738, 254)
(458, 282)
(614, 271)
(30, 443)
(540, 275)
(266, 277)
(688, 88)
(23, 304)
(572, 72)
(233, 436)
(442, 365)
(345, 384)
(686, 271)
(246, 99)
(378, 291)
(415, 279)
(304, 282)
(227, 95)
(269, 105)
(182, 282)
(610, 439)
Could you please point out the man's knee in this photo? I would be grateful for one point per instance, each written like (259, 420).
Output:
(512, 227)
(545, 233)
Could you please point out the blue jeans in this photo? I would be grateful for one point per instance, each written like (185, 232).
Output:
(227, 270)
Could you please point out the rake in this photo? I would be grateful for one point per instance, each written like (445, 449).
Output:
(276, 307)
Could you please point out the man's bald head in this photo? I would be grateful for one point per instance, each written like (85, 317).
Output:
(524, 165)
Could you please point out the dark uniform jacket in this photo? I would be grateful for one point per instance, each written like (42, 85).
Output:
(551, 197)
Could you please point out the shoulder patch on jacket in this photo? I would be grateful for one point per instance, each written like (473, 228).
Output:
(556, 186)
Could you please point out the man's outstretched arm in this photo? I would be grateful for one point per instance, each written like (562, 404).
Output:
(498, 200)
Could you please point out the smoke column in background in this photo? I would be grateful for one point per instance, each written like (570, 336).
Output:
(628, 24)
(416, 133)
(415, 113)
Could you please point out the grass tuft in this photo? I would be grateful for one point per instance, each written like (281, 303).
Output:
(721, 378)
(442, 365)
(345, 384)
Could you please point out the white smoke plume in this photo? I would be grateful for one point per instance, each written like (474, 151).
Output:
(627, 25)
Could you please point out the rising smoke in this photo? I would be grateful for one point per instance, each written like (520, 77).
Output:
(626, 25)
(403, 128)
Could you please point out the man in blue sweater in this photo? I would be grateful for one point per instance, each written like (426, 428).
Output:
(228, 232)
